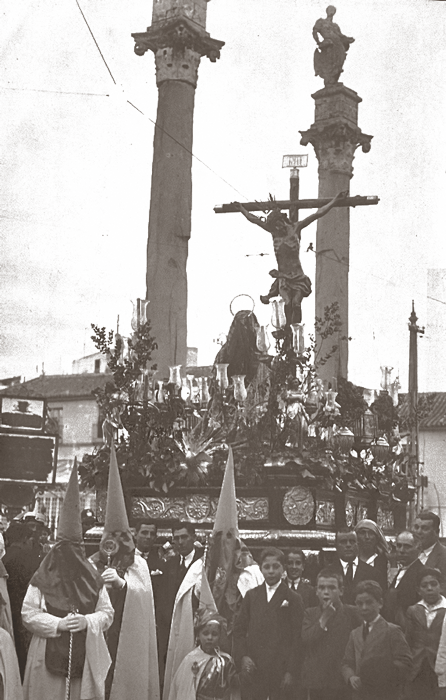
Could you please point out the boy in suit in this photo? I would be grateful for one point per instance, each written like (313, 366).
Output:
(377, 659)
(433, 554)
(424, 625)
(267, 633)
(295, 564)
(325, 633)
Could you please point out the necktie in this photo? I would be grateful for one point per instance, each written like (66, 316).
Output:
(349, 574)
(295, 585)
(365, 630)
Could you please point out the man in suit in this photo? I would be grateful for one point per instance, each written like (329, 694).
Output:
(325, 633)
(267, 633)
(433, 554)
(145, 535)
(353, 569)
(174, 571)
(403, 590)
(295, 564)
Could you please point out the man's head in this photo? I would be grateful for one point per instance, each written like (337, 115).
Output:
(329, 587)
(406, 548)
(295, 563)
(429, 584)
(183, 538)
(145, 535)
(19, 534)
(369, 600)
(272, 565)
(347, 545)
(427, 529)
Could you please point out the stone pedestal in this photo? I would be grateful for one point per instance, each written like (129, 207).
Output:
(178, 39)
(335, 136)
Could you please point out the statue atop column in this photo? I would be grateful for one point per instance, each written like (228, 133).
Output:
(332, 50)
(290, 281)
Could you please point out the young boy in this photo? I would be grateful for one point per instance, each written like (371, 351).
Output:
(377, 659)
(295, 564)
(325, 633)
(423, 631)
(267, 632)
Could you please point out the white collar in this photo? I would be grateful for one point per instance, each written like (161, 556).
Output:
(144, 555)
(187, 560)
(371, 559)
(296, 581)
(275, 587)
(428, 551)
(346, 563)
(436, 606)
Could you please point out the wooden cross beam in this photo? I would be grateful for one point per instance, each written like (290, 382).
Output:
(297, 204)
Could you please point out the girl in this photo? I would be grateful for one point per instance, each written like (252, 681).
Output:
(206, 672)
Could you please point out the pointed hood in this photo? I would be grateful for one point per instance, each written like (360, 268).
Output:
(117, 547)
(70, 526)
(226, 515)
(115, 514)
(224, 552)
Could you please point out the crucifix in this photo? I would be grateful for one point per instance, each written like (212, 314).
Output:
(290, 282)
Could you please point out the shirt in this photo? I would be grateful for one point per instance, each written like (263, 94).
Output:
(293, 584)
(424, 555)
(371, 560)
(187, 560)
(345, 565)
(144, 555)
(431, 610)
(270, 590)
(400, 575)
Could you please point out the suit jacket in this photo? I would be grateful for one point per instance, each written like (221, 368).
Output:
(381, 566)
(324, 649)
(364, 572)
(171, 582)
(423, 640)
(437, 560)
(382, 661)
(270, 632)
(306, 592)
(397, 600)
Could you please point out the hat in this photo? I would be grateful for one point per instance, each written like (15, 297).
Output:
(70, 527)
(115, 515)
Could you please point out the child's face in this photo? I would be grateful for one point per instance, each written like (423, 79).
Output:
(209, 637)
(328, 591)
(272, 570)
(294, 566)
(429, 590)
(368, 607)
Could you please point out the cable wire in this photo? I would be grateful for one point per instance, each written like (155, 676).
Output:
(94, 39)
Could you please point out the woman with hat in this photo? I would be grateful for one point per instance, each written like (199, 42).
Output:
(373, 549)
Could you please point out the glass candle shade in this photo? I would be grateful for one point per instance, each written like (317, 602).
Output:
(160, 392)
(185, 389)
(175, 376)
(298, 337)
(278, 318)
(240, 393)
(206, 397)
(222, 375)
(262, 340)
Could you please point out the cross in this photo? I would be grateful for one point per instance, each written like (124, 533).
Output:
(290, 281)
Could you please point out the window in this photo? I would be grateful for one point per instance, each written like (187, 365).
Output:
(97, 366)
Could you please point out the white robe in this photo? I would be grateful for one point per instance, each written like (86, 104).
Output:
(39, 683)
(182, 637)
(136, 673)
(9, 668)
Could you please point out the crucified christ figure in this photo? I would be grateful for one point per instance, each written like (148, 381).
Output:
(290, 281)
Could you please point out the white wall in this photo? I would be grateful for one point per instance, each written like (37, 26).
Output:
(433, 454)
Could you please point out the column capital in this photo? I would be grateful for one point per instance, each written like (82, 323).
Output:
(335, 145)
(178, 34)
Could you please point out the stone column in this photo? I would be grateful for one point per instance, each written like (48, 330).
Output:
(335, 136)
(178, 39)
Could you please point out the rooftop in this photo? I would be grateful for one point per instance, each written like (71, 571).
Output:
(58, 386)
(431, 409)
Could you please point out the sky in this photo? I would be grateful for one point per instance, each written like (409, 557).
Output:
(75, 164)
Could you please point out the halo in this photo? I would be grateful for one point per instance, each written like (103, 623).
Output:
(237, 297)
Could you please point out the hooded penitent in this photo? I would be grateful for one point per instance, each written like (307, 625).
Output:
(381, 546)
(68, 581)
(65, 577)
(117, 548)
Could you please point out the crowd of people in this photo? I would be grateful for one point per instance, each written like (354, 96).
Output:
(137, 620)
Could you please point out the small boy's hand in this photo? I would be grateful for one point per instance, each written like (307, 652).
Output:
(328, 612)
(248, 665)
(355, 682)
